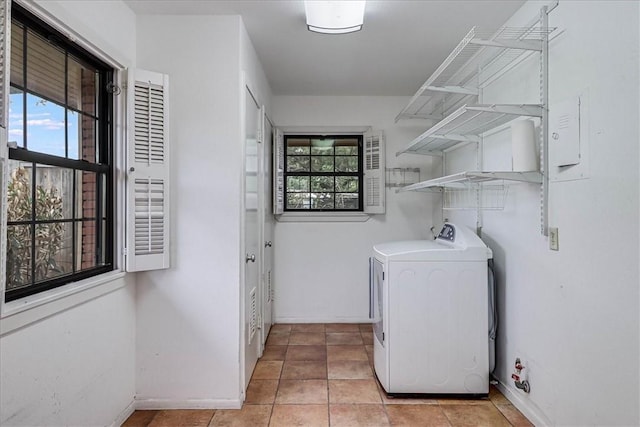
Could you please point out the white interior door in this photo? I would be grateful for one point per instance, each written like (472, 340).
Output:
(268, 222)
(252, 234)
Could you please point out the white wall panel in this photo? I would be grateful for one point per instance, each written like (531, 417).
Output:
(188, 326)
(572, 315)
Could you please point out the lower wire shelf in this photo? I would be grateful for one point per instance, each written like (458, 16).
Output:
(463, 178)
(475, 196)
(474, 190)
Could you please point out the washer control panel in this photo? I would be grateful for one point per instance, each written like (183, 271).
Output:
(448, 233)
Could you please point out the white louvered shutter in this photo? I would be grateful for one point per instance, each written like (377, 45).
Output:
(278, 172)
(147, 171)
(374, 172)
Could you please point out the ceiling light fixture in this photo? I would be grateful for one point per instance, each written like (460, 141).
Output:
(334, 17)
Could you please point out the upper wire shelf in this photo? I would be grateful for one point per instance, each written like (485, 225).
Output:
(481, 55)
(465, 124)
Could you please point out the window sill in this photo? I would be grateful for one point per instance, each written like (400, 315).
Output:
(322, 217)
(22, 312)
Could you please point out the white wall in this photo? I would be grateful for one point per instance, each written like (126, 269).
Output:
(321, 268)
(572, 315)
(188, 326)
(75, 366)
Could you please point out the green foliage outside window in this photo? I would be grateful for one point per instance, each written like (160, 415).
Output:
(323, 173)
(48, 236)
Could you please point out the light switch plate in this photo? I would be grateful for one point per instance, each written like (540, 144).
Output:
(553, 239)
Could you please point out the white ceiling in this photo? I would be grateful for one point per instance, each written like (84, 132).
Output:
(401, 44)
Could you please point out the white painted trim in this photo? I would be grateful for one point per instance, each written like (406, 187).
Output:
(22, 312)
(323, 130)
(122, 416)
(322, 217)
(71, 34)
(144, 404)
(528, 409)
(244, 86)
(321, 320)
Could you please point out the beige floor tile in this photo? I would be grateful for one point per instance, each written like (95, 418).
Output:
(390, 400)
(304, 370)
(370, 358)
(346, 352)
(352, 415)
(267, 370)
(369, 349)
(278, 339)
(262, 392)
(353, 391)
(514, 416)
(496, 397)
(349, 370)
(183, 417)
(366, 327)
(308, 327)
(470, 401)
(299, 415)
(249, 415)
(281, 327)
(344, 338)
(307, 338)
(341, 327)
(274, 352)
(474, 415)
(306, 352)
(367, 337)
(140, 419)
(302, 392)
(416, 415)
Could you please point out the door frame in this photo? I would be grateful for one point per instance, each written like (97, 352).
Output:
(245, 87)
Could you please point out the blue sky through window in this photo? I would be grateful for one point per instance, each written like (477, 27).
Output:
(45, 125)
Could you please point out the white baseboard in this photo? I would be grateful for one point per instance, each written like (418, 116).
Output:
(122, 417)
(188, 404)
(528, 409)
(296, 319)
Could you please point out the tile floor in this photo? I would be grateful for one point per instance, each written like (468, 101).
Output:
(322, 375)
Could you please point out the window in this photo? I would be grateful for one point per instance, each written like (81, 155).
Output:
(328, 176)
(323, 173)
(60, 190)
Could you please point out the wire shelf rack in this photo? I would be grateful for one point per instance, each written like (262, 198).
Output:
(465, 179)
(465, 124)
(475, 196)
(479, 57)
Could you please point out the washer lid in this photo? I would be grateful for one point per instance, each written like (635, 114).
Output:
(465, 246)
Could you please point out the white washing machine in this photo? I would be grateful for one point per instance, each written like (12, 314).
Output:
(429, 304)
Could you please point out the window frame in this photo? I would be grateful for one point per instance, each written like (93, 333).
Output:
(359, 174)
(104, 165)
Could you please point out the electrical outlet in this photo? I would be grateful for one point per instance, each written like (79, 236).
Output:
(554, 245)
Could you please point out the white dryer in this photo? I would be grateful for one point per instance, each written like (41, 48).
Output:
(429, 302)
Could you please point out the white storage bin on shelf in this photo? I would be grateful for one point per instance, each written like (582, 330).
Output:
(452, 96)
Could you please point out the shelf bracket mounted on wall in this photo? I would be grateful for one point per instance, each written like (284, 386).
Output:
(544, 122)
